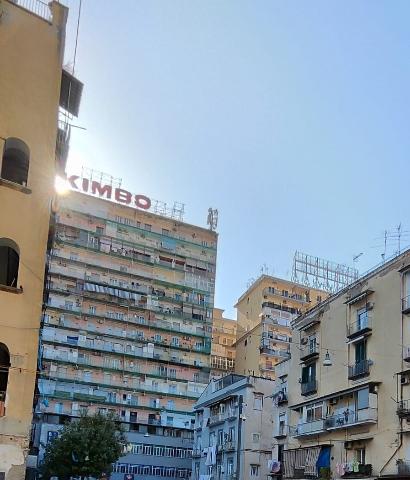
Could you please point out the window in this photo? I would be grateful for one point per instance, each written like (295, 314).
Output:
(147, 226)
(220, 437)
(360, 455)
(312, 344)
(255, 437)
(257, 401)
(212, 439)
(360, 351)
(15, 163)
(92, 310)
(282, 424)
(363, 398)
(165, 231)
(157, 338)
(309, 373)
(175, 341)
(9, 262)
(170, 404)
(254, 471)
(4, 376)
(362, 318)
(229, 466)
(314, 412)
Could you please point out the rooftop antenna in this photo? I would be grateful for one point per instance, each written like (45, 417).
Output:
(398, 237)
(212, 219)
(356, 259)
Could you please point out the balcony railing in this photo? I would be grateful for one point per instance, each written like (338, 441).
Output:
(229, 446)
(307, 388)
(221, 417)
(309, 352)
(359, 327)
(359, 369)
(406, 354)
(350, 418)
(309, 428)
(403, 408)
(39, 8)
(364, 470)
(403, 467)
(405, 304)
(197, 453)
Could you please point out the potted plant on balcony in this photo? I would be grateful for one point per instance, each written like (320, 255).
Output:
(325, 473)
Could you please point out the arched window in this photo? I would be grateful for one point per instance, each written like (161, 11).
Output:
(15, 162)
(9, 262)
(4, 376)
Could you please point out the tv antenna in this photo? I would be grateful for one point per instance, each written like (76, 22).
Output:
(212, 219)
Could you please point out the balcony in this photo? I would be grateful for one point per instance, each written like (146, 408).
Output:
(229, 447)
(197, 453)
(360, 327)
(351, 418)
(406, 354)
(405, 305)
(221, 417)
(281, 397)
(308, 388)
(359, 369)
(403, 409)
(403, 467)
(365, 471)
(309, 353)
(310, 428)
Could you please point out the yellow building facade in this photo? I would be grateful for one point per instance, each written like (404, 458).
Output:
(223, 350)
(348, 383)
(264, 313)
(31, 54)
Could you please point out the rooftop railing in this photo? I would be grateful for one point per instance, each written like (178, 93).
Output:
(39, 8)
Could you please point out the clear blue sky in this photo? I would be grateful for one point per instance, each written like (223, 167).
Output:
(291, 118)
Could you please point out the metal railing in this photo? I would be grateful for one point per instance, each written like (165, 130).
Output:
(308, 387)
(360, 369)
(221, 417)
(39, 8)
(309, 428)
(405, 303)
(359, 325)
(403, 408)
(403, 467)
(309, 351)
(350, 418)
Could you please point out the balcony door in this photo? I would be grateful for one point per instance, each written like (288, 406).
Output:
(309, 373)
(360, 352)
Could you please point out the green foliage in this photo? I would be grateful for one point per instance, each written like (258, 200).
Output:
(86, 447)
(325, 473)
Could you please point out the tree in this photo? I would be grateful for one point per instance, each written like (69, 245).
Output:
(84, 448)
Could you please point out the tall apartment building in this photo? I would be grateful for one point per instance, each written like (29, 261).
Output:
(223, 349)
(33, 147)
(233, 429)
(264, 313)
(127, 327)
(349, 382)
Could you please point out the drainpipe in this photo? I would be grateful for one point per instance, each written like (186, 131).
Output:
(239, 444)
